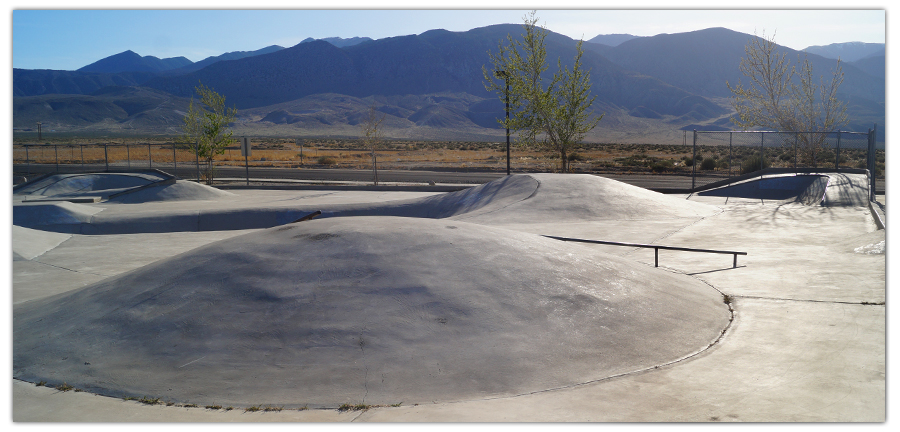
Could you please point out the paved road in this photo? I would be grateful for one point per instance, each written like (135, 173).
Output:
(648, 181)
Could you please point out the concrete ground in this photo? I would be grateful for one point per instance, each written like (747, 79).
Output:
(807, 343)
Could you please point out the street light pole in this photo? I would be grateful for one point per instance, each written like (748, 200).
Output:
(505, 75)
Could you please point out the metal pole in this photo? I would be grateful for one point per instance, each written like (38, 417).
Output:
(246, 143)
(694, 163)
(197, 154)
(128, 155)
(655, 257)
(106, 156)
(300, 144)
(730, 151)
(837, 156)
(174, 160)
(56, 152)
(150, 155)
(507, 125)
(762, 149)
(796, 146)
(27, 163)
(82, 156)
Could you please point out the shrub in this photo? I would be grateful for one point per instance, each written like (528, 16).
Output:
(753, 163)
(708, 164)
(723, 164)
(661, 166)
(325, 160)
(575, 157)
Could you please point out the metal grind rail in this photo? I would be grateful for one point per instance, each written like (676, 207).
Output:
(655, 247)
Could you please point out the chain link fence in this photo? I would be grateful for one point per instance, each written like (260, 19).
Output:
(720, 155)
(36, 159)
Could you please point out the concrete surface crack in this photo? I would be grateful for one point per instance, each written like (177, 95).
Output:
(362, 344)
(64, 268)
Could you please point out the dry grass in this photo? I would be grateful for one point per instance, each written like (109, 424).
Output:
(351, 154)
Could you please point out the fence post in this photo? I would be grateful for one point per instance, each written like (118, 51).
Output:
(197, 154)
(762, 152)
(150, 155)
(128, 155)
(694, 163)
(27, 163)
(730, 152)
(871, 164)
(106, 155)
(837, 156)
(174, 161)
(81, 146)
(56, 152)
(796, 146)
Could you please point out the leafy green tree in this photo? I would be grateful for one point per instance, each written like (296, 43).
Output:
(784, 97)
(206, 127)
(554, 115)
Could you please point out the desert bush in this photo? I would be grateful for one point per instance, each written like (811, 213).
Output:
(708, 164)
(662, 166)
(753, 163)
(576, 157)
(325, 160)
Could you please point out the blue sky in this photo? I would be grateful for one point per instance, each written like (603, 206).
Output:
(45, 37)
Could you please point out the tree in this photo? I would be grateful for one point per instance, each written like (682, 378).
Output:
(554, 118)
(206, 127)
(372, 134)
(783, 98)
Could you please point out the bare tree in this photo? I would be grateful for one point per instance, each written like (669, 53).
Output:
(554, 118)
(782, 97)
(371, 125)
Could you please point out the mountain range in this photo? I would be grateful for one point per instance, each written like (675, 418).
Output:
(430, 86)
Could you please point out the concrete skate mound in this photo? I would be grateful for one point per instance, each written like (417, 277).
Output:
(530, 198)
(181, 190)
(375, 310)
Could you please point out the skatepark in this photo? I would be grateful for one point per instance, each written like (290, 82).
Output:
(423, 306)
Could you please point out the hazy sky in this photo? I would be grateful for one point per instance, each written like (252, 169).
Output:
(46, 37)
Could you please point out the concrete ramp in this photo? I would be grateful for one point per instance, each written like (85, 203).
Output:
(29, 243)
(374, 310)
(61, 216)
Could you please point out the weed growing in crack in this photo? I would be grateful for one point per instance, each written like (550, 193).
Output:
(41, 383)
(271, 409)
(213, 407)
(252, 409)
(357, 407)
(64, 387)
(190, 405)
(727, 299)
(148, 401)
